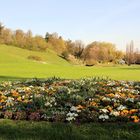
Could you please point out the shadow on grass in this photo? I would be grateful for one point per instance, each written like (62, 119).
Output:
(12, 78)
(20, 130)
(130, 68)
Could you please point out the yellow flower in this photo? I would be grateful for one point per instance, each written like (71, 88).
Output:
(2, 101)
(19, 98)
(3, 97)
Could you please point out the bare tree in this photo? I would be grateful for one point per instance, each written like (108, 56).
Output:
(1, 27)
(130, 53)
(79, 48)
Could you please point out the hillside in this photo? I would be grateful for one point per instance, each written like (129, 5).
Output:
(14, 64)
(11, 54)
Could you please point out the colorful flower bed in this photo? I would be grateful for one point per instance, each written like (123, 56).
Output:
(84, 100)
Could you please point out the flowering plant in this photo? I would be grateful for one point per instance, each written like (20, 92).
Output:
(83, 100)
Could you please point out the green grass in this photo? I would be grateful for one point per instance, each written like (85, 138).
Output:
(15, 65)
(17, 130)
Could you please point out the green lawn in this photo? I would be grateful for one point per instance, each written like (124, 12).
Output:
(15, 65)
(16, 130)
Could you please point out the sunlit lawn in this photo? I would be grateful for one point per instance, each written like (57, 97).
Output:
(13, 71)
(15, 65)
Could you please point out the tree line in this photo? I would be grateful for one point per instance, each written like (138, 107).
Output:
(91, 54)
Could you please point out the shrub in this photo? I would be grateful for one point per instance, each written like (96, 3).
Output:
(33, 57)
(91, 62)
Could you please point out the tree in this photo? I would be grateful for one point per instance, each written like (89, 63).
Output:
(1, 27)
(19, 37)
(39, 43)
(101, 52)
(6, 36)
(47, 36)
(130, 53)
(78, 49)
(57, 42)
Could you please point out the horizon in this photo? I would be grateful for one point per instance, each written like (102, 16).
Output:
(116, 22)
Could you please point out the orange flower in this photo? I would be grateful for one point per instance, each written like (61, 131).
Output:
(79, 107)
(135, 119)
(15, 93)
(124, 112)
(122, 95)
(2, 101)
(93, 104)
(3, 97)
(109, 108)
(133, 111)
(111, 95)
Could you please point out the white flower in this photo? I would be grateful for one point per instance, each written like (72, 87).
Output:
(114, 113)
(115, 100)
(28, 88)
(111, 83)
(70, 119)
(104, 110)
(90, 99)
(52, 99)
(121, 107)
(31, 86)
(117, 96)
(130, 100)
(23, 97)
(47, 104)
(106, 99)
(103, 117)
(135, 91)
(44, 116)
(10, 101)
(73, 108)
(138, 103)
(71, 116)
(42, 88)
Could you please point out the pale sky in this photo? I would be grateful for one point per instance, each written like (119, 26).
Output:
(116, 21)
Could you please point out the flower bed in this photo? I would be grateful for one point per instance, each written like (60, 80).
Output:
(84, 100)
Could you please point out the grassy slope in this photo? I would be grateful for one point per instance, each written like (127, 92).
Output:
(14, 64)
(17, 130)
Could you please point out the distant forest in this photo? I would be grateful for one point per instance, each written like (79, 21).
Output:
(73, 51)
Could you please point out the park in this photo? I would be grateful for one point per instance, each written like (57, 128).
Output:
(69, 70)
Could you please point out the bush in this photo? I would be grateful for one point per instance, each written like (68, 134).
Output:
(36, 58)
(91, 62)
(65, 55)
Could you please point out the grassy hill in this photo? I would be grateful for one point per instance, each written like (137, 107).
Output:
(11, 54)
(14, 64)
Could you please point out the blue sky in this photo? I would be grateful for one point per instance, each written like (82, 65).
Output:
(116, 21)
